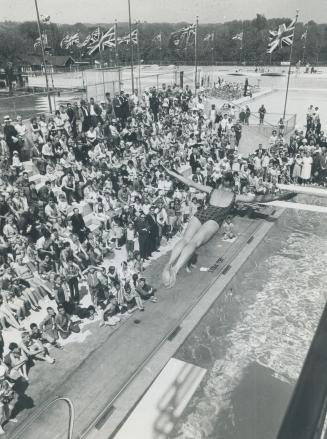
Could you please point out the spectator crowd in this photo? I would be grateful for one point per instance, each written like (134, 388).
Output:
(101, 195)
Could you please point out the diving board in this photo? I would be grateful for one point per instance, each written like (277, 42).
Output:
(155, 415)
(297, 206)
(307, 190)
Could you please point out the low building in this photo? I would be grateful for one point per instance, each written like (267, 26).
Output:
(34, 63)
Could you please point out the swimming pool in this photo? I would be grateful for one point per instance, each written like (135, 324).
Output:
(255, 338)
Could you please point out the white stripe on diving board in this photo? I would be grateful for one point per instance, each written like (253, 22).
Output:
(298, 206)
(164, 402)
(322, 192)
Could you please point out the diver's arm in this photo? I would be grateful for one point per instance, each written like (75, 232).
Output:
(188, 182)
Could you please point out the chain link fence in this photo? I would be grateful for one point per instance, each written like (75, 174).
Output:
(111, 81)
(30, 104)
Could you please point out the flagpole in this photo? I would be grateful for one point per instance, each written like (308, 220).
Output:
(305, 43)
(43, 55)
(117, 54)
(131, 44)
(160, 49)
(241, 47)
(196, 52)
(100, 47)
(138, 55)
(290, 65)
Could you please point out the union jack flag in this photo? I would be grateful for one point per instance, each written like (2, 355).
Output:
(283, 36)
(183, 36)
(126, 39)
(45, 19)
(38, 41)
(209, 37)
(107, 39)
(157, 38)
(90, 39)
(69, 41)
(238, 36)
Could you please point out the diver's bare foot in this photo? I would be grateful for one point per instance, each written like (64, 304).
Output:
(173, 275)
(166, 275)
(188, 269)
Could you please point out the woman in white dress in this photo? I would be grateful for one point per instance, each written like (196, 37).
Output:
(297, 167)
(306, 167)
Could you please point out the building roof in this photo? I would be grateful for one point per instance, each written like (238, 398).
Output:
(57, 61)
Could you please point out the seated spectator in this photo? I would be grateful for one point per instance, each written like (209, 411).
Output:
(64, 325)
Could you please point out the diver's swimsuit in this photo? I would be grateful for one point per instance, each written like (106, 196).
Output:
(215, 213)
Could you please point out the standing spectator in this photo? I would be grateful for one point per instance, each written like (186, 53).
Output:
(72, 273)
(11, 135)
(124, 107)
(238, 132)
(86, 118)
(154, 105)
(116, 103)
(78, 225)
(130, 238)
(262, 113)
(247, 115)
(142, 229)
(153, 228)
(94, 112)
(306, 167)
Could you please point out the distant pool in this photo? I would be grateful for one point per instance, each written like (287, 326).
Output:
(254, 340)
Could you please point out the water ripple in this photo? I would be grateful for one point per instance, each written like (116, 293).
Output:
(275, 331)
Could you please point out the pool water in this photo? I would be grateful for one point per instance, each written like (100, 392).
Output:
(255, 338)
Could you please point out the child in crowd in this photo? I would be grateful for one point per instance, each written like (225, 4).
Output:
(228, 228)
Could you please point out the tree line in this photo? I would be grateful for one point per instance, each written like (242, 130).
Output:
(17, 42)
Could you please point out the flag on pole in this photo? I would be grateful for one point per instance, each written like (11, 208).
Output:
(238, 36)
(45, 19)
(70, 40)
(37, 42)
(283, 36)
(157, 38)
(64, 41)
(90, 39)
(209, 37)
(126, 39)
(107, 39)
(183, 36)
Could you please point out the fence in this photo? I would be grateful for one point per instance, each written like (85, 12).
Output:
(29, 104)
(270, 122)
(100, 81)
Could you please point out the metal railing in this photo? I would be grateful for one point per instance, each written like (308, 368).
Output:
(33, 103)
(21, 431)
